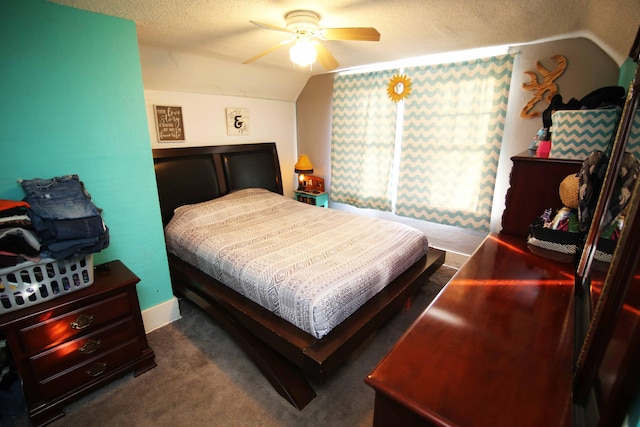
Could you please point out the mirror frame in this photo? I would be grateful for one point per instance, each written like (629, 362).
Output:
(595, 321)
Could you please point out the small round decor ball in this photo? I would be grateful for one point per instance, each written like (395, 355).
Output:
(569, 191)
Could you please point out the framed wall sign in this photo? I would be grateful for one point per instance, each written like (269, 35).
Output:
(169, 123)
(237, 121)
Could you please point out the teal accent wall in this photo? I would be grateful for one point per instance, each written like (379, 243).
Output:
(72, 102)
(627, 72)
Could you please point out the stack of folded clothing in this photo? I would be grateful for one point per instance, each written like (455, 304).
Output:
(18, 241)
(64, 218)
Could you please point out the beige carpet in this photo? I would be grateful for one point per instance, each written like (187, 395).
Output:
(204, 379)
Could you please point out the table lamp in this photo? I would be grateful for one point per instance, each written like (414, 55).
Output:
(303, 167)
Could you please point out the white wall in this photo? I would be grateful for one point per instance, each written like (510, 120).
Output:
(205, 124)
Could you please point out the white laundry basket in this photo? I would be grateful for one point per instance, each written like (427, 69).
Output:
(30, 283)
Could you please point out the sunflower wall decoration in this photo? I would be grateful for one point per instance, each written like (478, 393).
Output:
(399, 87)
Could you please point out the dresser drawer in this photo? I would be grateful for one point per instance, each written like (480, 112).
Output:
(91, 371)
(74, 323)
(82, 349)
(66, 347)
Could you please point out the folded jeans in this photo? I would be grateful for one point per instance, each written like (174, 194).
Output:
(68, 229)
(62, 197)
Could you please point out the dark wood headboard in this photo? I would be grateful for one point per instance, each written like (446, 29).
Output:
(196, 174)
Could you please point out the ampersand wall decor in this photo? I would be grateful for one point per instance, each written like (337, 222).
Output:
(237, 121)
(544, 89)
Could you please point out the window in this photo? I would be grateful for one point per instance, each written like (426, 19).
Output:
(362, 140)
(447, 149)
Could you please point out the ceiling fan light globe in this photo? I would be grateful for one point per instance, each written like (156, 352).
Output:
(303, 54)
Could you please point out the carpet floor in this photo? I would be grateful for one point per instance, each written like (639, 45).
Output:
(204, 379)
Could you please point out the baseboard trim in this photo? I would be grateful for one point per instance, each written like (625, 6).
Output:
(161, 315)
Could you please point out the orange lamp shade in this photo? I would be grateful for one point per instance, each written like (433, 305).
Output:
(304, 165)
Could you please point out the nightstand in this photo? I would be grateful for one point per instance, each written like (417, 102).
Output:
(69, 346)
(313, 198)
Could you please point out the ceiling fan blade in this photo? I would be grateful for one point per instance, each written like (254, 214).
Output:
(271, 27)
(356, 33)
(271, 49)
(325, 57)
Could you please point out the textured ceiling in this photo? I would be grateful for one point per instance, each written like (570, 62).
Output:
(409, 28)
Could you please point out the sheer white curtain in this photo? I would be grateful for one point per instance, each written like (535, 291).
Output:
(452, 134)
(447, 153)
(362, 140)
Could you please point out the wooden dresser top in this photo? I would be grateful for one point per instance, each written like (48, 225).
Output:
(504, 359)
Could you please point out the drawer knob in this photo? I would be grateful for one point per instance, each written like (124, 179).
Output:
(82, 321)
(90, 346)
(97, 369)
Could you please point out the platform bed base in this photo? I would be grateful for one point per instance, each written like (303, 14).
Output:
(287, 356)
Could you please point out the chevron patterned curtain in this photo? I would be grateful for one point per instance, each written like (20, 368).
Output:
(362, 140)
(451, 137)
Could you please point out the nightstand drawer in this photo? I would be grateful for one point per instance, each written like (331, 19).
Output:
(71, 353)
(68, 325)
(92, 370)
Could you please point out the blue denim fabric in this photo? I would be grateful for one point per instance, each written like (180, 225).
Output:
(67, 229)
(69, 248)
(59, 198)
(64, 217)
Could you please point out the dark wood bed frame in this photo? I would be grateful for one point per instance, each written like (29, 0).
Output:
(287, 356)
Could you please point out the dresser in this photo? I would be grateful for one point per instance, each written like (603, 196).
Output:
(495, 349)
(534, 183)
(66, 347)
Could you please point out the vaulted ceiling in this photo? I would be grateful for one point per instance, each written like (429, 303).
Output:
(220, 29)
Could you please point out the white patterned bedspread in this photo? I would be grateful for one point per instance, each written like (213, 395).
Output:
(311, 266)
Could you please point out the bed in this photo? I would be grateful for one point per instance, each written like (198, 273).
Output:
(295, 334)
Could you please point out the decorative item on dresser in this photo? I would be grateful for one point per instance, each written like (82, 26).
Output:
(66, 347)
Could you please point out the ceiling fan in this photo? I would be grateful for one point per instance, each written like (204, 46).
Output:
(304, 25)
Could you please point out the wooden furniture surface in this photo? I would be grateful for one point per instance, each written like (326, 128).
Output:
(68, 346)
(534, 187)
(494, 349)
(287, 356)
